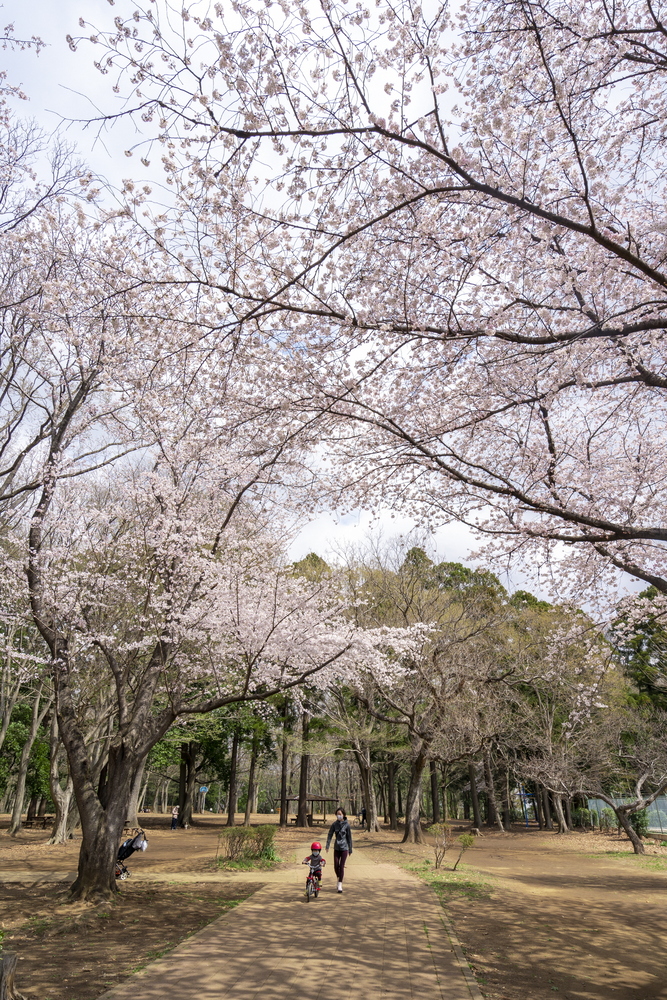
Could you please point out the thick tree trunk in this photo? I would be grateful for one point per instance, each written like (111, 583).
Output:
(302, 811)
(283, 769)
(413, 831)
(233, 768)
(251, 781)
(39, 711)
(102, 822)
(494, 817)
(391, 795)
(474, 798)
(435, 793)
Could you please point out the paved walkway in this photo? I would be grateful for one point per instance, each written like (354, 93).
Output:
(386, 938)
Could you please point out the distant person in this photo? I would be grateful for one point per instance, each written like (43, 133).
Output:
(174, 817)
(342, 832)
(362, 818)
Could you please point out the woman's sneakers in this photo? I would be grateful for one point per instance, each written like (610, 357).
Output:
(340, 886)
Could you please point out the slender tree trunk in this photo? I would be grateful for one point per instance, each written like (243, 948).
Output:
(568, 812)
(560, 815)
(537, 805)
(413, 831)
(494, 814)
(391, 795)
(39, 711)
(62, 797)
(283, 768)
(445, 782)
(132, 809)
(363, 758)
(547, 809)
(507, 815)
(435, 794)
(302, 812)
(251, 780)
(474, 798)
(233, 766)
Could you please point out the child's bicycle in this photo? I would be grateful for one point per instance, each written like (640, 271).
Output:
(312, 883)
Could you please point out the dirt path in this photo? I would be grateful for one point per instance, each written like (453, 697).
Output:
(539, 915)
(384, 937)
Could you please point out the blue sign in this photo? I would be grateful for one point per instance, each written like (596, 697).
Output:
(204, 788)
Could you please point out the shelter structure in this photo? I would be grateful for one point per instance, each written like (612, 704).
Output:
(312, 800)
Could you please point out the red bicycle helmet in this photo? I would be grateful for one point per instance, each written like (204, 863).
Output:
(315, 846)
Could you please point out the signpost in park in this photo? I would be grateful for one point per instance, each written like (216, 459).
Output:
(202, 792)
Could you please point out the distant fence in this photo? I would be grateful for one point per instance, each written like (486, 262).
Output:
(657, 812)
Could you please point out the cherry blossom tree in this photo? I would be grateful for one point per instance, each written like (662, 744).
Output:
(461, 216)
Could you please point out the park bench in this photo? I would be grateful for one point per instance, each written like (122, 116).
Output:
(39, 822)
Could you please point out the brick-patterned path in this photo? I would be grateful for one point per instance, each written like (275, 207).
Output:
(384, 938)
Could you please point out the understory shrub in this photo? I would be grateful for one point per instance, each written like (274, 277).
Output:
(582, 817)
(247, 843)
(608, 819)
(440, 835)
(639, 822)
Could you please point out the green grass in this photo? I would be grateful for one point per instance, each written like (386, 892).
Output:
(464, 883)
(639, 860)
(247, 864)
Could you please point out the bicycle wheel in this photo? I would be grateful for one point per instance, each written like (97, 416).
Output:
(309, 890)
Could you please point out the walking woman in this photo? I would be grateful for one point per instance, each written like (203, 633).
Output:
(342, 833)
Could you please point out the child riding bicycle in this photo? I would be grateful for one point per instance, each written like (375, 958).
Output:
(315, 860)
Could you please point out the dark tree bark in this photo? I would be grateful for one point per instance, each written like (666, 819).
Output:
(435, 792)
(537, 805)
(8, 989)
(474, 798)
(413, 831)
(391, 795)
(188, 769)
(283, 768)
(546, 805)
(568, 812)
(251, 779)
(302, 811)
(233, 769)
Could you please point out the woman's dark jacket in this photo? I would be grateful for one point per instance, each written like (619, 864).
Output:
(340, 829)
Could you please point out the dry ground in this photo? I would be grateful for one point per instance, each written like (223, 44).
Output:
(537, 914)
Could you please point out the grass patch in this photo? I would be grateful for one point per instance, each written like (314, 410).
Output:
(247, 864)
(650, 861)
(464, 883)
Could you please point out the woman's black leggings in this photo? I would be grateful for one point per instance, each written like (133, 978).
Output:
(340, 857)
